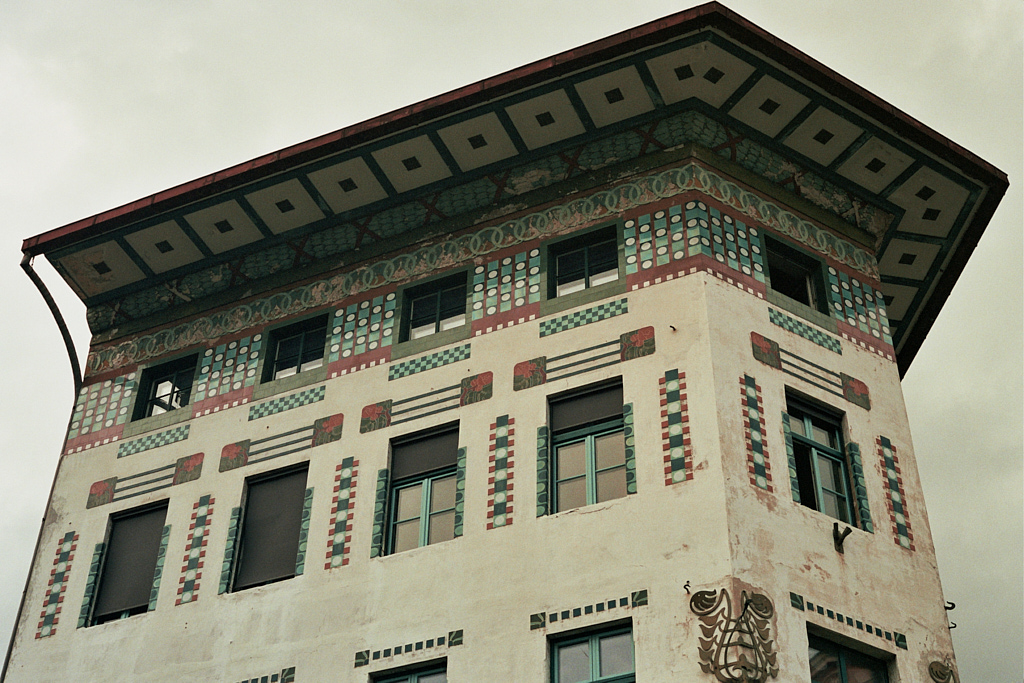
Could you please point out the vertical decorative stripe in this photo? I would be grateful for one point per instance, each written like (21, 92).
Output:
(860, 488)
(380, 508)
(195, 551)
(859, 305)
(675, 428)
(895, 494)
(58, 584)
(342, 510)
(794, 481)
(543, 479)
(228, 367)
(161, 559)
(300, 557)
(90, 584)
(629, 436)
(229, 551)
(757, 448)
(460, 491)
(500, 472)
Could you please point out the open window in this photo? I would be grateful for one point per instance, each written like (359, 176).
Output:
(433, 307)
(601, 657)
(129, 564)
(165, 387)
(588, 447)
(821, 468)
(296, 348)
(270, 527)
(796, 275)
(583, 262)
(423, 475)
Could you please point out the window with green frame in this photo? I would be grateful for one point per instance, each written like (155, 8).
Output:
(422, 505)
(795, 274)
(436, 306)
(588, 447)
(821, 468)
(432, 675)
(605, 657)
(832, 663)
(583, 262)
(296, 348)
(165, 387)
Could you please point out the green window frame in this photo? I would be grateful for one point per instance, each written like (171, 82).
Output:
(796, 275)
(434, 307)
(423, 512)
(587, 261)
(590, 461)
(832, 663)
(431, 675)
(296, 348)
(823, 473)
(602, 657)
(166, 387)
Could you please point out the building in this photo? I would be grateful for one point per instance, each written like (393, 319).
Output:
(583, 320)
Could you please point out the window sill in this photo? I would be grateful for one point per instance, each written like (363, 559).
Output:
(149, 424)
(800, 310)
(278, 386)
(416, 346)
(562, 303)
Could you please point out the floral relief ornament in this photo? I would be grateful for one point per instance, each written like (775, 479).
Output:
(735, 650)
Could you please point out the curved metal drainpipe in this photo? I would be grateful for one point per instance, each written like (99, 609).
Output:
(76, 369)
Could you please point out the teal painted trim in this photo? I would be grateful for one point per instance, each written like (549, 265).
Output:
(161, 557)
(345, 502)
(675, 426)
(229, 551)
(794, 482)
(233, 361)
(380, 510)
(900, 521)
(90, 584)
(279, 405)
(752, 412)
(153, 441)
(630, 440)
(460, 491)
(804, 330)
(603, 311)
(860, 488)
(300, 557)
(117, 393)
(543, 475)
(429, 362)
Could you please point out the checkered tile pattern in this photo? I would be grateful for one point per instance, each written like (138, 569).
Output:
(152, 441)
(543, 477)
(584, 317)
(675, 428)
(195, 551)
(804, 330)
(229, 551)
(895, 495)
(860, 488)
(453, 639)
(90, 584)
(54, 599)
(500, 464)
(753, 429)
(342, 511)
(307, 509)
(797, 602)
(787, 434)
(460, 490)
(380, 507)
(279, 405)
(286, 676)
(638, 598)
(424, 363)
(630, 437)
(161, 558)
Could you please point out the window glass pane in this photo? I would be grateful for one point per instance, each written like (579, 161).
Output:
(603, 277)
(834, 506)
(270, 529)
(309, 365)
(572, 460)
(440, 677)
(796, 424)
(453, 302)
(423, 331)
(130, 563)
(288, 350)
(407, 535)
(821, 435)
(805, 474)
(610, 450)
(572, 494)
(423, 310)
(453, 322)
(574, 663)
(827, 472)
(859, 673)
(442, 494)
(409, 502)
(570, 266)
(616, 654)
(611, 484)
(824, 667)
(603, 256)
(571, 286)
(442, 527)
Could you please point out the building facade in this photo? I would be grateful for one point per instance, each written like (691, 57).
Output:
(586, 372)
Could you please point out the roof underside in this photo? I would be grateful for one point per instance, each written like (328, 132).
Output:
(703, 77)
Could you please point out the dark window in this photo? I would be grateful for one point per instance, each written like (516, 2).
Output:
(796, 275)
(296, 348)
(821, 468)
(831, 663)
(269, 534)
(165, 387)
(588, 448)
(423, 489)
(129, 564)
(583, 262)
(606, 657)
(435, 307)
(432, 675)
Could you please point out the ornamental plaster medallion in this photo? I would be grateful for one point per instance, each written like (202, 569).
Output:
(735, 650)
(942, 673)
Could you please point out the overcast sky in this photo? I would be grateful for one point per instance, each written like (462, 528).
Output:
(105, 102)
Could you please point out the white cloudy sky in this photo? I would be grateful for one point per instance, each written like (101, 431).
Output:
(105, 102)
